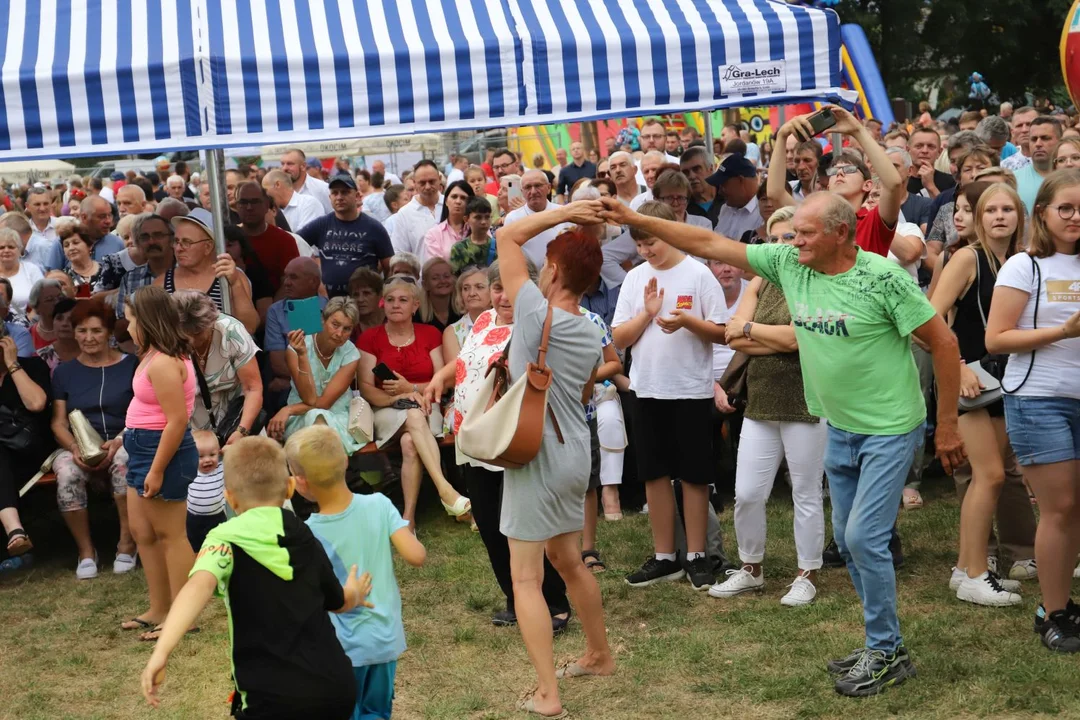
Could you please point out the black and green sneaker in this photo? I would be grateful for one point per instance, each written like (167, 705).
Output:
(875, 672)
(842, 666)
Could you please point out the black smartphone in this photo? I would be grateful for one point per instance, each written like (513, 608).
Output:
(821, 121)
(383, 372)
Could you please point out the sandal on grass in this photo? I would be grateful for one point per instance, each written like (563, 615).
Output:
(592, 561)
(529, 706)
(912, 499)
(461, 506)
(18, 542)
(137, 624)
(155, 633)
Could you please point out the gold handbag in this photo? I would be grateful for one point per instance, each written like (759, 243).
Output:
(87, 439)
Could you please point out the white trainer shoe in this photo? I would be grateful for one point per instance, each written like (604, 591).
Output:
(125, 563)
(738, 582)
(802, 592)
(1024, 570)
(1076, 572)
(87, 569)
(986, 590)
(958, 576)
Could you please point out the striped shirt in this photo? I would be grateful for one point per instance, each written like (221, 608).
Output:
(206, 493)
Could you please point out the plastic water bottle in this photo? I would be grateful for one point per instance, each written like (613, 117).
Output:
(19, 562)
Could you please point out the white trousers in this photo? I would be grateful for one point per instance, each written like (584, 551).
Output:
(761, 447)
(611, 430)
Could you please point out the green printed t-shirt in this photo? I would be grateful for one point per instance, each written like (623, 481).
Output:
(852, 331)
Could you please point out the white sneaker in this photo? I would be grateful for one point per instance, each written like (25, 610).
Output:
(124, 563)
(958, 576)
(87, 569)
(992, 564)
(738, 582)
(1024, 570)
(986, 590)
(802, 592)
(1076, 572)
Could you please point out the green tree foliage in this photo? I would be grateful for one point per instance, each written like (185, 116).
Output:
(1013, 43)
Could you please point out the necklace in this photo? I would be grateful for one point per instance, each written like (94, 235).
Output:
(409, 340)
(325, 358)
(203, 353)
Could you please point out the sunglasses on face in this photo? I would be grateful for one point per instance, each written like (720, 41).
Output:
(845, 169)
(602, 174)
(786, 237)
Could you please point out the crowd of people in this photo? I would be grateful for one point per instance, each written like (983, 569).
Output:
(711, 317)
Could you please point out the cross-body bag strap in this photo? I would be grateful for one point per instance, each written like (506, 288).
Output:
(204, 391)
(978, 286)
(541, 357)
(1035, 322)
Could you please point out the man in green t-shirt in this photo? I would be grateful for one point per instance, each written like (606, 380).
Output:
(853, 312)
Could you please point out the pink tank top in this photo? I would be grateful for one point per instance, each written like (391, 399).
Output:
(144, 412)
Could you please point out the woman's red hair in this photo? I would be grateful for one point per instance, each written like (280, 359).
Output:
(579, 259)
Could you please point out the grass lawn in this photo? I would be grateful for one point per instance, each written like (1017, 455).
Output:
(681, 654)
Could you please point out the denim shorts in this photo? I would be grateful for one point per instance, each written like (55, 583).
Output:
(1043, 430)
(141, 446)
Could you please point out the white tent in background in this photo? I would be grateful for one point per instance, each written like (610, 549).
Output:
(22, 171)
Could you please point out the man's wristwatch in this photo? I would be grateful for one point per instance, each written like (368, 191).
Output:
(746, 329)
(13, 367)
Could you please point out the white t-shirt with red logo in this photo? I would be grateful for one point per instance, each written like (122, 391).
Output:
(483, 345)
(680, 365)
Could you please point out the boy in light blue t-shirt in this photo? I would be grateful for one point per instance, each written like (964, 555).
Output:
(357, 530)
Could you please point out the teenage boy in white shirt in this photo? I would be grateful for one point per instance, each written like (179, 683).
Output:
(670, 311)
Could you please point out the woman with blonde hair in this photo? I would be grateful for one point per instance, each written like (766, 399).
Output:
(1036, 319)
(1067, 154)
(407, 355)
(323, 366)
(965, 290)
(437, 307)
(776, 425)
(472, 296)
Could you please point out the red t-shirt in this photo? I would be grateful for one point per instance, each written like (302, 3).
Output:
(275, 248)
(871, 232)
(39, 342)
(413, 362)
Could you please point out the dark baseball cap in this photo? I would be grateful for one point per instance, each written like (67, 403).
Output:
(343, 179)
(116, 176)
(733, 166)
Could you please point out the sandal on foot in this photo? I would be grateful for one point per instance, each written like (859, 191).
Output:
(613, 517)
(156, 633)
(528, 706)
(18, 542)
(572, 670)
(592, 561)
(461, 506)
(912, 499)
(137, 624)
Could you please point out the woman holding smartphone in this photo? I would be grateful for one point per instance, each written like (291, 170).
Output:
(397, 362)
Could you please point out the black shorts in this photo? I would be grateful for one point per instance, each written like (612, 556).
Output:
(594, 470)
(674, 440)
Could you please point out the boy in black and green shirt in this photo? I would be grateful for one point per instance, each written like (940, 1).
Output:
(478, 248)
(278, 585)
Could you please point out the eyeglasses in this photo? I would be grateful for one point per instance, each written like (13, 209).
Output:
(145, 237)
(503, 166)
(786, 237)
(1065, 212)
(400, 277)
(674, 199)
(845, 169)
(188, 244)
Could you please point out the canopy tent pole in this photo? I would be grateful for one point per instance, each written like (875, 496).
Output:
(708, 134)
(214, 162)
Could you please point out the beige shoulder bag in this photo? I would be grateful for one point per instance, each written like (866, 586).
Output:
(505, 424)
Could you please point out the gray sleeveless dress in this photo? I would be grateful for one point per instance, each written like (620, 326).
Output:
(547, 497)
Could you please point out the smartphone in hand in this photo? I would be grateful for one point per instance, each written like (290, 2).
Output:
(304, 315)
(820, 121)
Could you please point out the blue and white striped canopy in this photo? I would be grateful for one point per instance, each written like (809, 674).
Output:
(86, 77)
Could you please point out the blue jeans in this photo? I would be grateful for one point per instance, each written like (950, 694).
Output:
(866, 482)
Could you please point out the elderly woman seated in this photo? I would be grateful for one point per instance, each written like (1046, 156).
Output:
(398, 361)
(98, 384)
(322, 366)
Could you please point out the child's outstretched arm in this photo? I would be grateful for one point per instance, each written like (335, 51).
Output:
(356, 589)
(189, 602)
(408, 547)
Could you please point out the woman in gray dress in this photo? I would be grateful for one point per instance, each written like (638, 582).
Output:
(543, 508)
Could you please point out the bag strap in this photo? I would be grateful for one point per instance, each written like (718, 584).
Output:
(204, 392)
(978, 285)
(541, 355)
(1035, 322)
